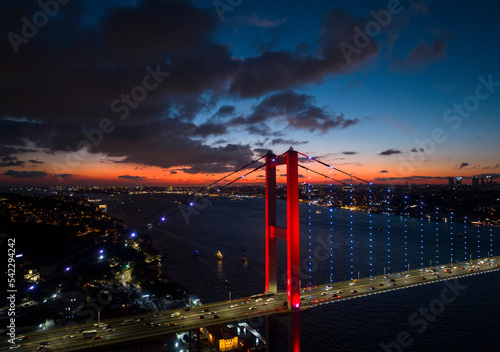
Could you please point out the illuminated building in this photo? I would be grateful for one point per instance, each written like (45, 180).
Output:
(222, 338)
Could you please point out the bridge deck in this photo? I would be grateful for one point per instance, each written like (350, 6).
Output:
(244, 308)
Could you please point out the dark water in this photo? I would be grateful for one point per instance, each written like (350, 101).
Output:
(469, 323)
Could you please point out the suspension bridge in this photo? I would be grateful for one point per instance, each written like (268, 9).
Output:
(467, 253)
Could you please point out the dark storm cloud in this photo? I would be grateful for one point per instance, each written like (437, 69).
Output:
(277, 70)
(261, 129)
(297, 110)
(9, 160)
(262, 151)
(225, 111)
(133, 178)
(390, 152)
(89, 67)
(65, 80)
(26, 174)
(209, 129)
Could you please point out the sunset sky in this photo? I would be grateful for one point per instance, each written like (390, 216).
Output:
(172, 92)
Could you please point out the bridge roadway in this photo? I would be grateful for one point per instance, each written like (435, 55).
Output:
(139, 326)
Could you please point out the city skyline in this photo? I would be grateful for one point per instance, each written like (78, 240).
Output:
(182, 92)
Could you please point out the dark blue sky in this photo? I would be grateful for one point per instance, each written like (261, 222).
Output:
(393, 91)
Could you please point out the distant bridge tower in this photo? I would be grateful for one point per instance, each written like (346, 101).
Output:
(290, 233)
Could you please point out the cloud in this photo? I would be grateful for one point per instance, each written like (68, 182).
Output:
(278, 70)
(384, 171)
(254, 20)
(35, 161)
(422, 54)
(173, 172)
(133, 178)
(462, 165)
(491, 167)
(297, 111)
(390, 152)
(26, 174)
(75, 69)
(63, 176)
(209, 129)
(414, 150)
(290, 142)
(348, 152)
(9, 160)
(262, 151)
(225, 111)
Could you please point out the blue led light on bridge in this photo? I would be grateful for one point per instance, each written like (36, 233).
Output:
(478, 244)
(465, 238)
(351, 235)
(388, 201)
(406, 232)
(437, 236)
(421, 236)
(370, 234)
(451, 237)
(330, 220)
(490, 252)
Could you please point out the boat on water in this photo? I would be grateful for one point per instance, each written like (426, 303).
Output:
(197, 253)
(237, 199)
(219, 255)
(244, 260)
(318, 211)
